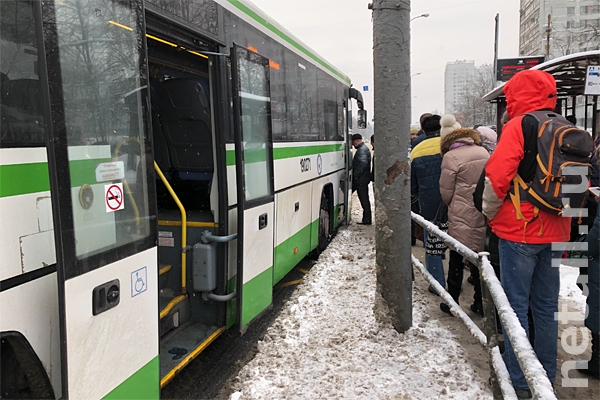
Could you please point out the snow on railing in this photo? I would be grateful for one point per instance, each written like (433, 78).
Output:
(535, 374)
(454, 307)
(508, 391)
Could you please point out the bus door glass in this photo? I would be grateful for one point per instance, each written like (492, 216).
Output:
(254, 171)
(347, 187)
(100, 161)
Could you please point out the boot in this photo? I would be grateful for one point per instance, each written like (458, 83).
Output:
(455, 277)
(477, 306)
(593, 368)
(445, 308)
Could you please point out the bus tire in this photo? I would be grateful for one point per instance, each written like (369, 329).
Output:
(22, 374)
(325, 231)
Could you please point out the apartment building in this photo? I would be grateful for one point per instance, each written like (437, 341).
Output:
(458, 77)
(574, 27)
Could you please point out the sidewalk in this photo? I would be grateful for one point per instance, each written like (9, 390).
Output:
(326, 342)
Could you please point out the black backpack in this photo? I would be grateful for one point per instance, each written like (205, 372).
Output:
(544, 171)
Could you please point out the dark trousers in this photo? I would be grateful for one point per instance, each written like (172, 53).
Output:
(363, 197)
(455, 277)
(414, 207)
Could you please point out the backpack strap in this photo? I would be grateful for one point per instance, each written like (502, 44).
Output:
(515, 197)
(521, 187)
(532, 129)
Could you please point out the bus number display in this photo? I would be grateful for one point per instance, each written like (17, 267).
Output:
(305, 165)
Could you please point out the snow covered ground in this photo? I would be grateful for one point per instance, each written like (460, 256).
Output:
(327, 343)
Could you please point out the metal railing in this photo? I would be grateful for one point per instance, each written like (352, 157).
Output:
(493, 296)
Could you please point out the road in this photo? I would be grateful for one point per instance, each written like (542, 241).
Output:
(206, 376)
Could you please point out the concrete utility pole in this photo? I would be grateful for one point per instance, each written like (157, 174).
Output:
(548, 33)
(391, 61)
(496, 35)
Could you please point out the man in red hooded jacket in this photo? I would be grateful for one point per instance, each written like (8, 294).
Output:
(527, 273)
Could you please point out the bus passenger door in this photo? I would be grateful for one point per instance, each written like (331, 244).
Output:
(104, 212)
(254, 177)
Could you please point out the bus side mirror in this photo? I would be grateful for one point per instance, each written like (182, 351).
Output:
(362, 119)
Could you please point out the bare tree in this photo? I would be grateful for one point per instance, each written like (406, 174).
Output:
(470, 109)
(571, 38)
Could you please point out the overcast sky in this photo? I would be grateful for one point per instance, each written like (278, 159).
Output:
(342, 32)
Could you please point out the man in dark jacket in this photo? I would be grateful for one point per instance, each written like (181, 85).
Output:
(361, 176)
(373, 160)
(425, 171)
(421, 134)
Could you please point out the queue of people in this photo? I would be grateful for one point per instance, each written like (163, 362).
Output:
(525, 233)
(447, 163)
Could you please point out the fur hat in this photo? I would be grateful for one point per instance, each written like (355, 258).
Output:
(357, 136)
(449, 124)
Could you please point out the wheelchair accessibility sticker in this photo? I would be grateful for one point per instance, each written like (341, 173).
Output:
(139, 281)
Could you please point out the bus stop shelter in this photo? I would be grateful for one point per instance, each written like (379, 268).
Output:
(570, 75)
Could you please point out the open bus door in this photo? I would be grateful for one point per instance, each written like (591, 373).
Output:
(254, 177)
(104, 212)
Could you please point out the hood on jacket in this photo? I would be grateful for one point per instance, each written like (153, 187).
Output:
(530, 90)
(489, 137)
(466, 135)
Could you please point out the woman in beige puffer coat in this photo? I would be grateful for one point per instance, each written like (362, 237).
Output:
(462, 164)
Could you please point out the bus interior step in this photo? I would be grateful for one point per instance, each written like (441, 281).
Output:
(174, 310)
(183, 345)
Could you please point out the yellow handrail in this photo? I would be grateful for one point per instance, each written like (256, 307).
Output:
(183, 225)
(172, 303)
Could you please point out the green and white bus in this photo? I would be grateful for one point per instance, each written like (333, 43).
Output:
(163, 164)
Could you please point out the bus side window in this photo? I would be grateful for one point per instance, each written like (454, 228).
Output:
(109, 154)
(20, 87)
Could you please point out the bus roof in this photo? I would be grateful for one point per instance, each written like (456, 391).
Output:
(250, 13)
(568, 71)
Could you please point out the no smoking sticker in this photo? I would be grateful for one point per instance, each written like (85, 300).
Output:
(113, 197)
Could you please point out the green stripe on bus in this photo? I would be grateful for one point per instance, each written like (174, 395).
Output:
(290, 152)
(257, 295)
(231, 304)
(280, 153)
(18, 179)
(284, 257)
(288, 39)
(230, 157)
(143, 384)
(255, 156)
(84, 171)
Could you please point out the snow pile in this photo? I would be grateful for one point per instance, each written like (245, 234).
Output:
(569, 291)
(326, 342)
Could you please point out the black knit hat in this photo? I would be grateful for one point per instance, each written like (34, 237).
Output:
(431, 124)
(357, 136)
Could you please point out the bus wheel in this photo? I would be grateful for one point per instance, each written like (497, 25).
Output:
(324, 225)
(22, 374)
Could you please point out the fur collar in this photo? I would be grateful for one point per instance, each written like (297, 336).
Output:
(458, 134)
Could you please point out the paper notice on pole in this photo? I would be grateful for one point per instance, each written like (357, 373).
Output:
(592, 80)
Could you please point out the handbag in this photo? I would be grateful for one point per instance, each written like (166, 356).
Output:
(435, 246)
